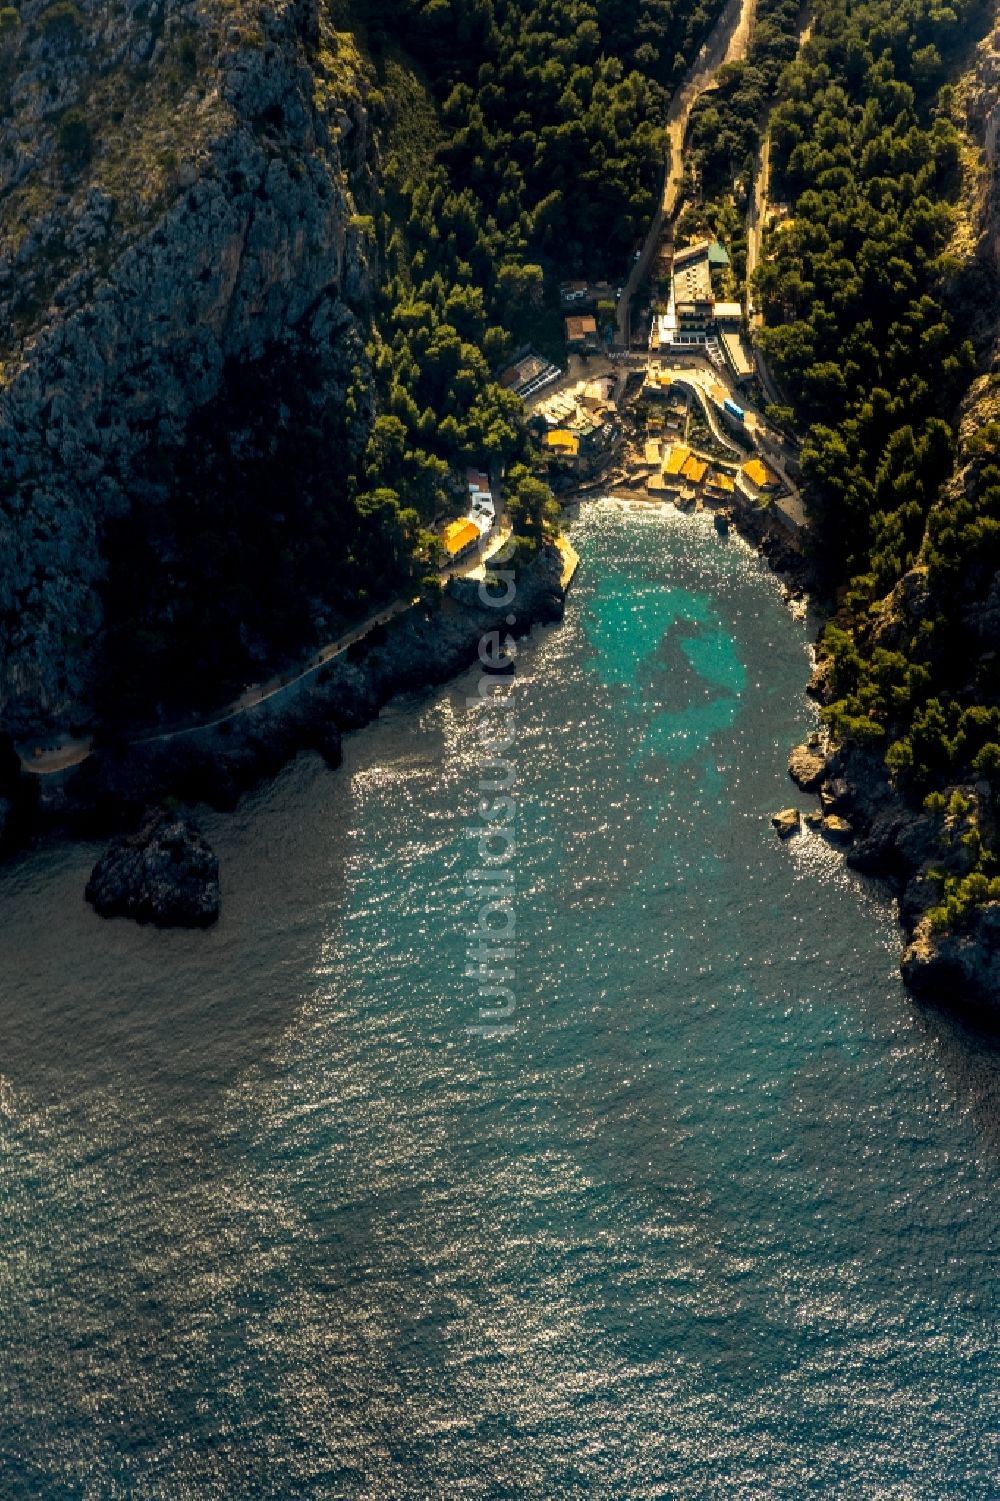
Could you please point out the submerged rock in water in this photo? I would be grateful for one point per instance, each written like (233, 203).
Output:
(787, 822)
(165, 874)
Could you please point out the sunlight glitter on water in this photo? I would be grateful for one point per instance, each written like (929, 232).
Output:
(718, 1219)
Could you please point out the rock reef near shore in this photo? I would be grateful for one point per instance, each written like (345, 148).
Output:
(164, 874)
(911, 849)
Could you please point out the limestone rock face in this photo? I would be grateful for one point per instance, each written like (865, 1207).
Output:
(180, 182)
(164, 874)
(961, 968)
(807, 766)
(787, 822)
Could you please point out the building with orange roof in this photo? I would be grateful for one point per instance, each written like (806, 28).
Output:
(694, 469)
(459, 536)
(677, 458)
(560, 440)
(759, 475)
(581, 333)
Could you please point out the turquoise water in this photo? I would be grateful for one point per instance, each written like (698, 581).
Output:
(716, 1218)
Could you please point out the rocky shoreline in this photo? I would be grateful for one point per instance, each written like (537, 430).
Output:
(910, 849)
(114, 788)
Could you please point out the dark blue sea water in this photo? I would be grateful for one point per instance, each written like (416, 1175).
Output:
(717, 1218)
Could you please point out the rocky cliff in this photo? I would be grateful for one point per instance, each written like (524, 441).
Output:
(939, 850)
(180, 181)
(914, 849)
(977, 107)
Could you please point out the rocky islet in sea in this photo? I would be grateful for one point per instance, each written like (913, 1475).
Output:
(164, 874)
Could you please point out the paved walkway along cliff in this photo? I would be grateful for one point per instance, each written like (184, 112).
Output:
(215, 762)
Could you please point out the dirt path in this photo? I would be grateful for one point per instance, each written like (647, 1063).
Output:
(756, 218)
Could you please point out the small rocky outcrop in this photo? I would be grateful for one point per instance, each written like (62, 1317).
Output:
(835, 795)
(787, 822)
(164, 874)
(807, 765)
(836, 829)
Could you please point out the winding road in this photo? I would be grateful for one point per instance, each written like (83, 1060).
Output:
(727, 44)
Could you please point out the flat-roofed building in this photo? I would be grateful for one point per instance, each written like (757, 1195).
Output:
(691, 277)
(676, 459)
(528, 373)
(562, 442)
(576, 428)
(737, 355)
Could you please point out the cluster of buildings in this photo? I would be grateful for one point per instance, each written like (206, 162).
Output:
(461, 536)
(674, 471)
(695, 316)
(579, 299)
(587, 294)
(579, 428)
